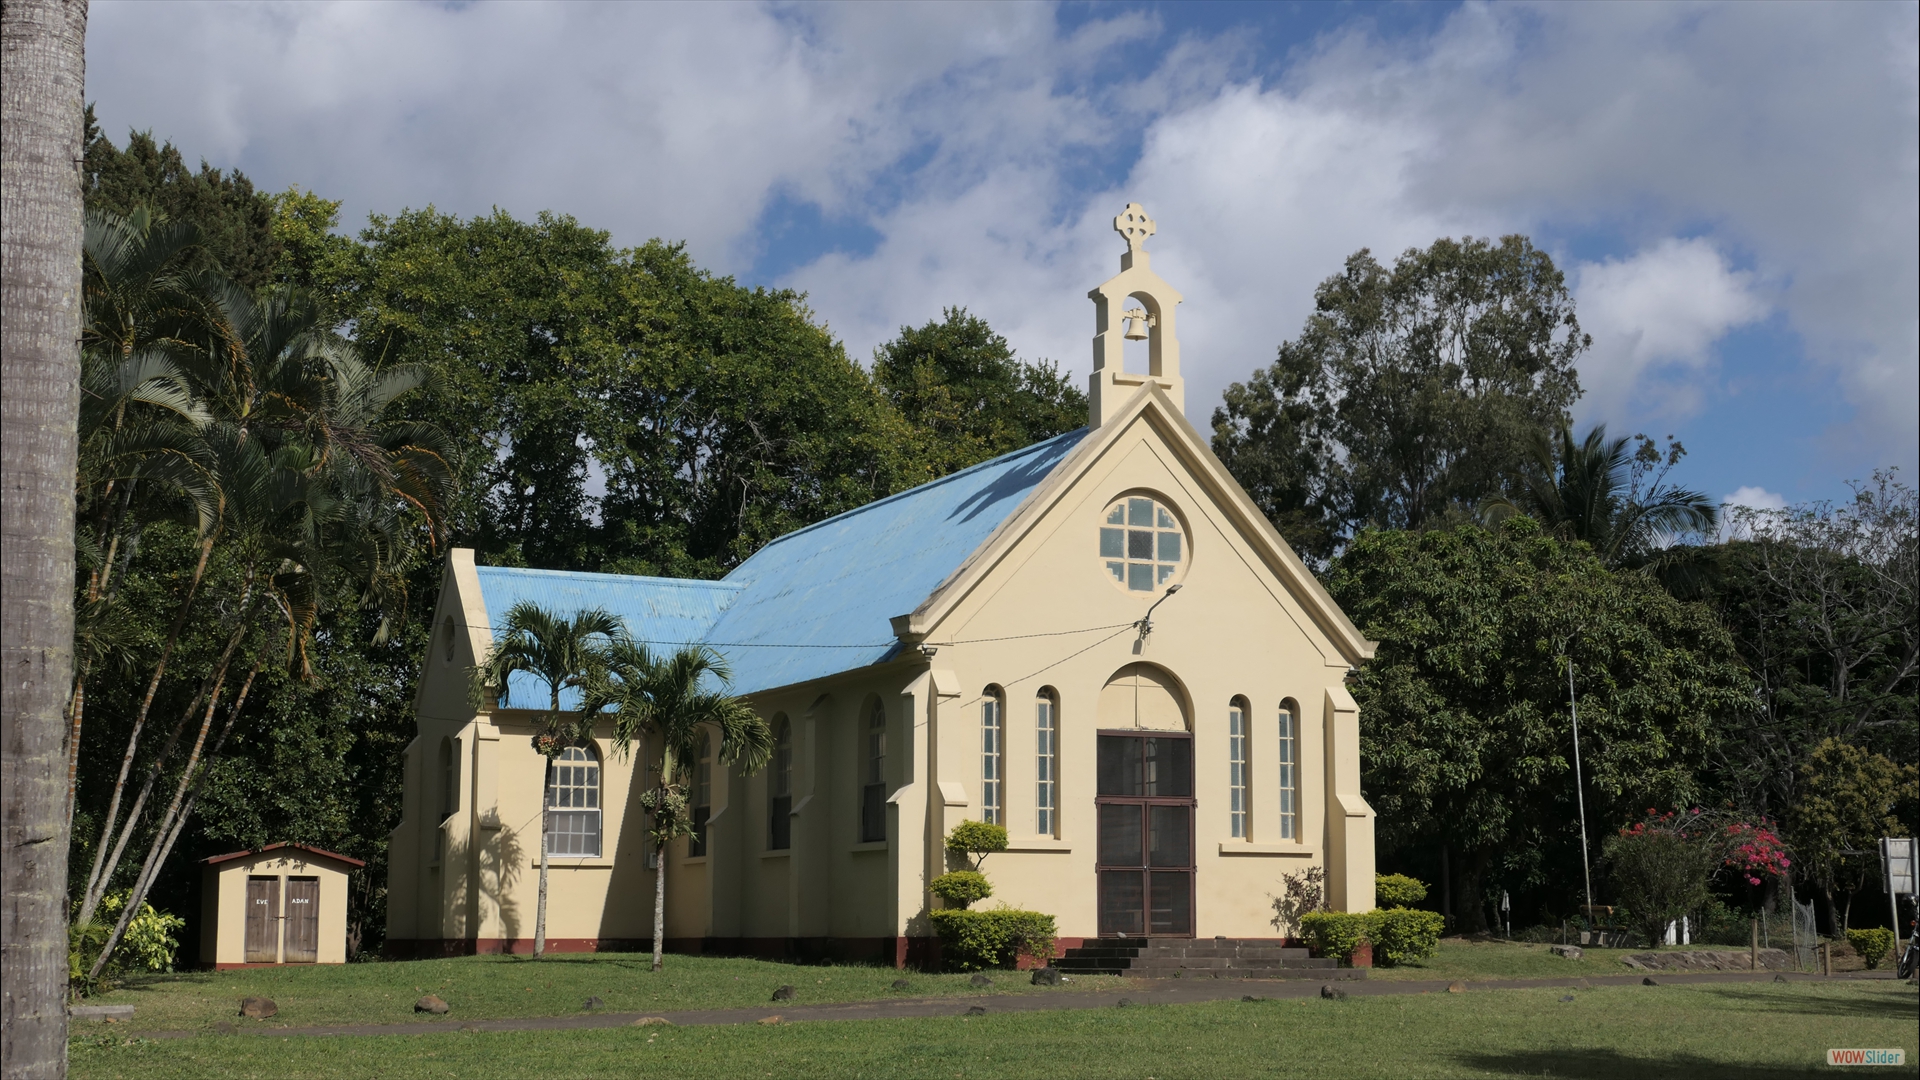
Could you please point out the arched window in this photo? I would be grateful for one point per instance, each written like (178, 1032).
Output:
(573, 798)
(1046, 726)
(1142, 544)
(780, 788)
(873, 778)
(1289, 771)
(702, 797)
(1238, 801)
(449, 778)
(993, 764)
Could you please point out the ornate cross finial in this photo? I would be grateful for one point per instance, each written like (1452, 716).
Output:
(1134, 224)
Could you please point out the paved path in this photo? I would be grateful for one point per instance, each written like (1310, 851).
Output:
(1143, 992)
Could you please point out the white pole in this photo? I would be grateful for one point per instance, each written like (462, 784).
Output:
(1579, 789)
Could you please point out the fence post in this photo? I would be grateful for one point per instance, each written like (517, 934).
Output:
(1753, 953)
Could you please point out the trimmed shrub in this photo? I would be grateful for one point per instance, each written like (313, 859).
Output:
(971, 940)
(961, 888)
(975, 840)
(1334, 933)
(1398, 890)
(1403, 935)
(1872, 945)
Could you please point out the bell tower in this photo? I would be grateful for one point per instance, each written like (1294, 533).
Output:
(1137, 298)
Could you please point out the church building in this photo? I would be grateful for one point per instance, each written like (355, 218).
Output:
(1097, 641)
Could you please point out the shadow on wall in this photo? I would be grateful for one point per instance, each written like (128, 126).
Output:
(500, 868)
(626, 915)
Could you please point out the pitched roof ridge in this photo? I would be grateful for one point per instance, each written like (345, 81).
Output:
(914, 490)
(638, 578)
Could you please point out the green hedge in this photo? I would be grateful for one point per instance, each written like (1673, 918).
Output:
(971, 940)
(1398, 890)
(1399, 935)
(1872, 945)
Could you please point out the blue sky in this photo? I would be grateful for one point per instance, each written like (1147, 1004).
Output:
(1730, 189)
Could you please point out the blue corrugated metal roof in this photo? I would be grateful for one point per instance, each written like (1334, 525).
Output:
(818, 600)
(838, 582)
(676, 610)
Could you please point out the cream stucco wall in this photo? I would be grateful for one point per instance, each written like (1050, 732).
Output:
(223, 937)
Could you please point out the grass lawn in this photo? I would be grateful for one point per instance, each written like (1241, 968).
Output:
(1459, 958)
(1750, 1031)
(496, 987)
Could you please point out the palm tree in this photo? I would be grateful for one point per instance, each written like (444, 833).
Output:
(1602, 493)
(566, 654)
(42, 70)
(675, 700)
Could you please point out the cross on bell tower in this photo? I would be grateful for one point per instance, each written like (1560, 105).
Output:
(1137, 298)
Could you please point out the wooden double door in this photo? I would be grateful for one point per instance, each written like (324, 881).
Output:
(1145, 805)
(267, 924)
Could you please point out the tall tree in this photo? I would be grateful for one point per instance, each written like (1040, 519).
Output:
(1599, 492)
(1843, 806)
(1411, 394)
(566, 652)
(966, 394)
(1465, 733)
(676, 702)
(42, 82)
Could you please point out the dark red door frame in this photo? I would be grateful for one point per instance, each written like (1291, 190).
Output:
(1145, 866)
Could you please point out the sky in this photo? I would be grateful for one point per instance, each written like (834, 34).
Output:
(1733, 191)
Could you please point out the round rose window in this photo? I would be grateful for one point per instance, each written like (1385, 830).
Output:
(1142, 544)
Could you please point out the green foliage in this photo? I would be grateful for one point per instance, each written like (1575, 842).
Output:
(1403, 935)
(1300, 892)
(1463, 710)
(1398, 890)
(1660, 870)
(1410, 395)
(975, 840)
(1873, 945)
(151, 944)
(1335, 933)
(1844, 803)
(971, 940)
(966, 394)
(961, 888)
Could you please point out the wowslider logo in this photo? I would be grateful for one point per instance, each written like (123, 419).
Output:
(1866, 1057)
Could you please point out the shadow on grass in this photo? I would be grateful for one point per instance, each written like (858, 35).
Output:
(1885, 1006)
(1598, 1064)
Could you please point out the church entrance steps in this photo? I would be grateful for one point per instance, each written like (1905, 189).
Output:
(1218, 958)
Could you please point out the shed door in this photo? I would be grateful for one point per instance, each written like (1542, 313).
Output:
(303, 920)
(263, 920)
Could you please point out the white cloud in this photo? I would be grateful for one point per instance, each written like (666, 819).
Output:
(1756, 498)
(1666, 305)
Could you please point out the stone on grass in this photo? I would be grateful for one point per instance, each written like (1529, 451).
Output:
(593, 1002)
(1779, 978)
(976, 1010)
(981, 980)
(1331, 991)
(768, 1020)
(1648, 981)
(431, 1004)
(785, 993)
(1568, 997)
(260, 1008)
(653, 1021)
(1250, 997)
(902, 984)
(1456, 987)
(109, 1014)
(1571, 952)
(1046, 976)
(1122, 1003)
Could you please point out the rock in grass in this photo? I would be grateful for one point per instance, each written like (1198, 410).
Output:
(1648, 981)
(1568, 997)
(1046, 976)
(1571, 952)
(768, 1020)
(592, 1003)
(653, 1021)
(1122, 1003)
(1250, 997)
(431, 1004)
(1779, 978)
(976, 1010)
(260, 1008)
(1456, 987)
(1331, 991)
(902, 984)
(785, 993)
(981, 980)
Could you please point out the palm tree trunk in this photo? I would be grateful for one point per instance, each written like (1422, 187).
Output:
(42, 86)
(660, 865)
(175, 819)
(94, 885)
(540, 909)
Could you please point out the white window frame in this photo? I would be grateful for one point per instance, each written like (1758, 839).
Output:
(573, 825)
(1239, 795)
(1289, 759)
(1143, 544)
(1046, 724)
(993, 757)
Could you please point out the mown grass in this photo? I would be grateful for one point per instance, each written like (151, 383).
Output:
(497, 987)
(1478, 960)
(1749, 1031)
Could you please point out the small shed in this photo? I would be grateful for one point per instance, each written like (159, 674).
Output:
(283, 904)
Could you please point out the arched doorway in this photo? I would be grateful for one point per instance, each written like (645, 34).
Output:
(1145, 806)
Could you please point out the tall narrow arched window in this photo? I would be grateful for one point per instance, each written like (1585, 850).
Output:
(1289, 771)
(1238, 795)
(1046, 799)
(780, 788)
(873, 777)
(573, 796)
(449, 777)
(993, 759)
(702, 797)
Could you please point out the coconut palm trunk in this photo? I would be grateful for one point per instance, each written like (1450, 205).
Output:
(660, 867)
(42, 87)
